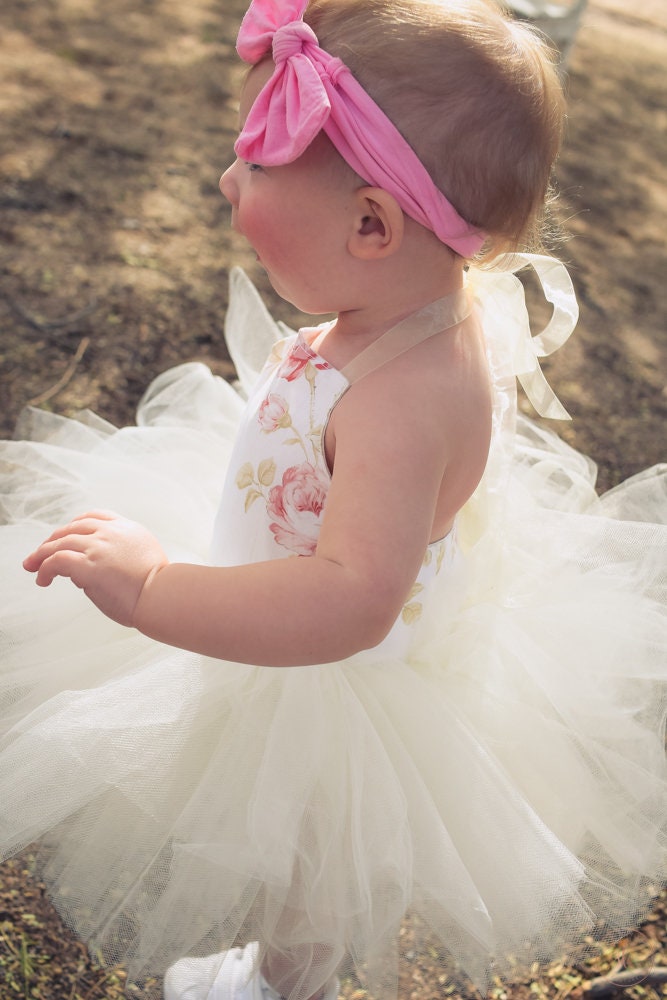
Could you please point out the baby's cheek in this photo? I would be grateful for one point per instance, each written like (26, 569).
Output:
(259, 223)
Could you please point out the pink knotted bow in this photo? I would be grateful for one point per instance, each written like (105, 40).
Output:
(311, 90)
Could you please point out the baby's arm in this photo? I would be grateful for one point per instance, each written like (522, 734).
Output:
(292, 611)
(325, 607)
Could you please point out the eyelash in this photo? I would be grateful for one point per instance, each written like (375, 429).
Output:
(253, 167)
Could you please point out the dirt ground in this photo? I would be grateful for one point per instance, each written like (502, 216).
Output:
(116, 121)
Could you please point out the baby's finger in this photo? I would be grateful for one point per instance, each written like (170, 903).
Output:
(84, 525)
(97, 515)
(74, 541)
(87, 523)
(65, 562)
(32, 562)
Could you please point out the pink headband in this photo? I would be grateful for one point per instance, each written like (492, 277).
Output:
(311, 90)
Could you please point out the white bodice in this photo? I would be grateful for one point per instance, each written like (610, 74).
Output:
(278, 479)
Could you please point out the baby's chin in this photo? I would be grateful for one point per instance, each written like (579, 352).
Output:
(305, 301)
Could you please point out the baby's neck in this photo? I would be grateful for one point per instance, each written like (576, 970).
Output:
(394, 300)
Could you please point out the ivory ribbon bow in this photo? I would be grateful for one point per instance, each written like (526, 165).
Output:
(501, 298)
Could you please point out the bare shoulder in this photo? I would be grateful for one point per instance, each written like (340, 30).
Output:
(429, 410)
(440, 386)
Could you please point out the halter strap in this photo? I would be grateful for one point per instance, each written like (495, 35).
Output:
(499, 298)
(438, 316)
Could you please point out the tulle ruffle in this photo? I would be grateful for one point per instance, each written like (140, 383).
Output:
(507, 782)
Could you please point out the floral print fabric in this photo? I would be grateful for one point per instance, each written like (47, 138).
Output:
(276, 492)
(294, 499)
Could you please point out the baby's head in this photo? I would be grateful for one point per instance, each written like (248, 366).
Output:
(475, 94)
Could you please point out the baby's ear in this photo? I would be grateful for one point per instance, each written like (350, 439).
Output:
(379, 225)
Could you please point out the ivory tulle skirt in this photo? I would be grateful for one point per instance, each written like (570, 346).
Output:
(506, 782)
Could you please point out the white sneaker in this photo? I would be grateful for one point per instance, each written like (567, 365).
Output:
(230, 975)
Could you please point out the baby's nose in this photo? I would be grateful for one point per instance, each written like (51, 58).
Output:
(228, 185)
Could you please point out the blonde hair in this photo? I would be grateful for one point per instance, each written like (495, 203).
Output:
(476, 95)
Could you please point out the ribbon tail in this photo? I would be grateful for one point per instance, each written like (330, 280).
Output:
(504, 293)
(558, 290)
(541, 395)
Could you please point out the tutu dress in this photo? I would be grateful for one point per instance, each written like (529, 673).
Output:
(496, 765)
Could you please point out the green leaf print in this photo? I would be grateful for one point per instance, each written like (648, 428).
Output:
(266, 471)
(245, 477)
(251, 496)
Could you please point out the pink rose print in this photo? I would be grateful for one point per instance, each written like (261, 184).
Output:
(273, 413)
(297, 505)
(297, 359)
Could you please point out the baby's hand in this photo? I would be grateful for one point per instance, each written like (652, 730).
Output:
(108, 557)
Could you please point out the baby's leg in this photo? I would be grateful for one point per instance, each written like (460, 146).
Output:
(299, 973)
